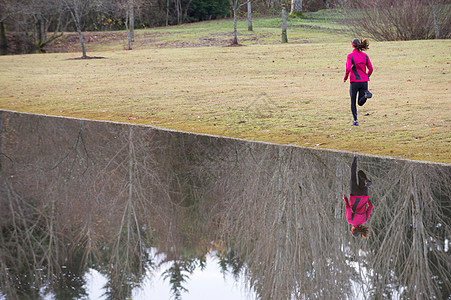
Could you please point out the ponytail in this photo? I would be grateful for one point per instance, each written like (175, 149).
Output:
(362, 230)
(361, 45)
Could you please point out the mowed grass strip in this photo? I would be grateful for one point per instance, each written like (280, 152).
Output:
(289, 94)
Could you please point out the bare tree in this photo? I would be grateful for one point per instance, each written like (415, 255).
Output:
(129, 15)
(180, 8)
(296, 7)
(284, 24)
(46, 13)
(5, 12)
(78, 9)
(249, 16)
(131, 20)
(167, 12)
(33, 19)
(235, 5)
(128, 8)
(401, 19)
(3, 40)
(433, 4)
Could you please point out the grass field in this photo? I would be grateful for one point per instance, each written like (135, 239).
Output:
(291, 94)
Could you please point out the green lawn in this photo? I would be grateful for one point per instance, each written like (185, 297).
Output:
(321, 27)
(290, 94)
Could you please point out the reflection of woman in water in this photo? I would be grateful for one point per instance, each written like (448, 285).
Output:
(359, 207)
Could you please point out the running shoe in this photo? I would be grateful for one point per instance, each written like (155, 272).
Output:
(355, 123)
(368, 94)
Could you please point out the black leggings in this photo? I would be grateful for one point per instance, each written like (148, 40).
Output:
(361, 88)
(360, 188)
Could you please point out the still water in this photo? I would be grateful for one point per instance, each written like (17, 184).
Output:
(207, 283)
(95, 210)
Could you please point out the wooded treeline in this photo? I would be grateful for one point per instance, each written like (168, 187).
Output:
(28, 25)
(31, 24)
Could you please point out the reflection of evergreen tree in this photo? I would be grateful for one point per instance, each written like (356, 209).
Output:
(126, 276)
(125, 267)
(180, 271)
(229, 260)
(70, 284)
(176, 277)
(120, 285)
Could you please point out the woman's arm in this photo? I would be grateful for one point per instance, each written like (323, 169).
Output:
(348, 68)
(369, 209)
(369, 66)
(346, 201)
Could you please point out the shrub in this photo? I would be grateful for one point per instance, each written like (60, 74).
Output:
(201, 10)
(390, 20)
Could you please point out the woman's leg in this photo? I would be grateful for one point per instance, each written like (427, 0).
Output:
(363, 186)
(354, 184)
(354, 88)
(362, 93)
(358, 188)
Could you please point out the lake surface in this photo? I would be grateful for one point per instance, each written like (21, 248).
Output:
(116, 211)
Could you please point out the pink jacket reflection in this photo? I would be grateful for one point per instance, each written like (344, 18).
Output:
(358, 210)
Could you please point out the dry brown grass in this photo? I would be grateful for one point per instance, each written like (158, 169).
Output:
(291, 94)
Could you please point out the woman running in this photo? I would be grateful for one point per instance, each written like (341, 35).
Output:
(359, 207)
(357, 62)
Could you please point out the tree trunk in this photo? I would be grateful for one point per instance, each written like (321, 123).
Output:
(235, 33)
(434, 11)
(296, 7)
(185, 14)
(132, 21)
(76, 15)
(127, 27)
(82, 41)
(284, 24)
(3, 41)
(178, 7)
(272, 3)
(38, 29)
(326, 4)
(249, 16)
(167, 13)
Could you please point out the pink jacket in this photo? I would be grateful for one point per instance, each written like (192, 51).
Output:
(357, 62)
(361, 213)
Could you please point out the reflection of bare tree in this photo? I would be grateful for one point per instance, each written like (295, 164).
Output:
(127, 258)
(413, 220)
(69, 214)
(276, 212)
(34, 251)
(100, 195)
(282, 212)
